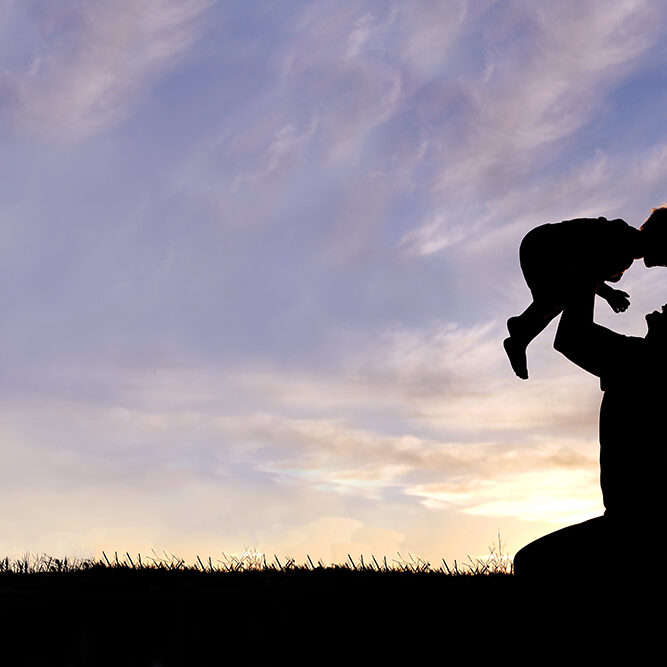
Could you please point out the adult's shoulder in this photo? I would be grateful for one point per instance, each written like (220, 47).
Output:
(627, 356)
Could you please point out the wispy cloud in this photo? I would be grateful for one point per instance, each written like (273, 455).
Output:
(404, 415)
(95, 61)
(535, 94)
(340, 94)
(539, 495)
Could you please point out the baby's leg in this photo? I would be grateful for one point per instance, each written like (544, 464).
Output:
(524, 328)
(534, 320)
(539, 265)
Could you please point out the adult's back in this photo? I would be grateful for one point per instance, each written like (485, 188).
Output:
(632, 449)
(633, 420)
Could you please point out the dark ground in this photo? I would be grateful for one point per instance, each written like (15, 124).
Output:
(150, 617)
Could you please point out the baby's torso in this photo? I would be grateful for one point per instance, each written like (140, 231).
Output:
(597, 247)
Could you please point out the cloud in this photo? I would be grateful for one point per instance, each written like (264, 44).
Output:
(413, 138)
(558, 496)
(402, 417)
(340, 95)
(204, 460)
(535, 94)
(477, 477)
(96, 60)
(331, 539)
(256, 331)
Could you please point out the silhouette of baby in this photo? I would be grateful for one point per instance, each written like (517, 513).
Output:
(558, 259)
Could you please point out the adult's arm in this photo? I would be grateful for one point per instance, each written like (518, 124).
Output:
(604, 290)
(590, 346)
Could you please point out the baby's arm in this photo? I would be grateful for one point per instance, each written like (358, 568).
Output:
(616, 298)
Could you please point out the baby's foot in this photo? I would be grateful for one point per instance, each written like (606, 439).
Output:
(516, 352)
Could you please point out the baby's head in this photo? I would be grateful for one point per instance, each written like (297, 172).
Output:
(655, 234)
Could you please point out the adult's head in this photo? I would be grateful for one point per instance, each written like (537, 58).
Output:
(657, 326)
(654, 231)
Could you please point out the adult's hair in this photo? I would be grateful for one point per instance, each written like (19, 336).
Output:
(656, 223)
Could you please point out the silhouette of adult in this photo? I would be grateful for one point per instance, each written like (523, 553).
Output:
(632, 448)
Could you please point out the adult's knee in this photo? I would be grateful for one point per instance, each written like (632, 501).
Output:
(535, 559)
(524, 561)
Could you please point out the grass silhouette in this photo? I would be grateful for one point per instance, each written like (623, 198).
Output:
(159, 610)
(495, 563)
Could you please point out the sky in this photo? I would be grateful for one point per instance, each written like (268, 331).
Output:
(257, 260)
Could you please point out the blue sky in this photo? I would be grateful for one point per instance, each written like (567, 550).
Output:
(258, 257)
